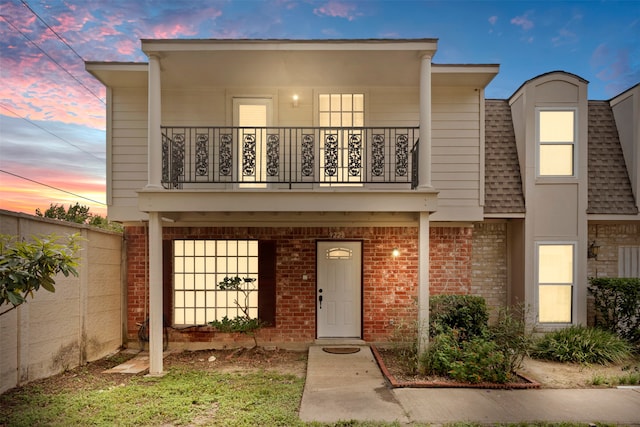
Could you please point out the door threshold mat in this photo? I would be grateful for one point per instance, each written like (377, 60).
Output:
(341, 350)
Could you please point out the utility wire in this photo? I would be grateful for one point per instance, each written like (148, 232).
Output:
(53, 60)
(52, 30)
(50, 133)
(52, 187)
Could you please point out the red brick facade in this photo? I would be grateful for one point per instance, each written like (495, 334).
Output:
(389, 284)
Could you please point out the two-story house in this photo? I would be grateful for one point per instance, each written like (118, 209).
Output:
(354, 178)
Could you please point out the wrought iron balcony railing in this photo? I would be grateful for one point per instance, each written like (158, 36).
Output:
(295, 157)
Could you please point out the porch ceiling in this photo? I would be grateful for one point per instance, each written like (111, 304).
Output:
(244, 63)
(282, 63)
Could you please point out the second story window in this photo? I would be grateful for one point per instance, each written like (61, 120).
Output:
(556, 138)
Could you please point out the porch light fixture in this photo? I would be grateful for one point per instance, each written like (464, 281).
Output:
(592, 250)
(395, 252)
(295, 100)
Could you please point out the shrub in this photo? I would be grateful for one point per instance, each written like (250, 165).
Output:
(465, 348)
(405, 344)
(476, 360)
(617, 303)
(238, 324)
(467, 314)
(511, 336)
(580, 344)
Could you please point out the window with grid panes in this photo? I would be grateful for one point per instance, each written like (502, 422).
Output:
(199, 266)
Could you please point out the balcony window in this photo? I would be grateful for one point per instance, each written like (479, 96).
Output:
(556, 143)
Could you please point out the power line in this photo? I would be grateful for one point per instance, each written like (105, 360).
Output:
(50, 133)
(52, 30)
(52, 187)
(53, 60)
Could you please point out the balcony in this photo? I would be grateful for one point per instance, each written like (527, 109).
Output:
(289, 157)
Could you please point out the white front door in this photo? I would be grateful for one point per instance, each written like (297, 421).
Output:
(339, 289)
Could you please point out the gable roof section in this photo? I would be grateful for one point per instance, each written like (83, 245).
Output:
(503, 183)
(609, 186)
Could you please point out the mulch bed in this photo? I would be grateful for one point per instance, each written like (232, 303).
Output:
(397, 378)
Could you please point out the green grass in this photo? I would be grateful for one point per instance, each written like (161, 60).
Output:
(187, 395)
(180, 397)
(631, 378)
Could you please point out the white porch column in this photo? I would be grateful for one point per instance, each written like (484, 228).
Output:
(155, 293)
(424, 176)
(154, 143)
(423, 282)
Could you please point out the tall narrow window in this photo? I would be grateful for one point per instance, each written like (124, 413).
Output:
(556, 142)
(556, 281)
(199, 266)
(341, 115)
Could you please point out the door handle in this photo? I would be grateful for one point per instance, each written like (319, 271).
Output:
(320, 300)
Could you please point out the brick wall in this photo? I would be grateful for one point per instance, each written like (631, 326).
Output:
(609, 237)
(390, 284)
(450, 250)
(489, 264)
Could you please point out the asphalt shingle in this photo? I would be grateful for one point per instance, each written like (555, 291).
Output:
(609, 185)
(503, 183)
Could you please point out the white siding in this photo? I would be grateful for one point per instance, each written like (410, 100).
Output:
(128, 147)
(456, 146)
(629, 261)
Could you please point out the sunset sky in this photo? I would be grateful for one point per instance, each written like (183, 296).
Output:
(52, 112)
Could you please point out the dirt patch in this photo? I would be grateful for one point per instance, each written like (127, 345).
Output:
(92, 376)
(571, 375)
(242, 360)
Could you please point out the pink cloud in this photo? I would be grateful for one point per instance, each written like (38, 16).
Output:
(336, 9)
(493, 19)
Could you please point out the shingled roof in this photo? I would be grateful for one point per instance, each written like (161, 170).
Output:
(503, 183)
(609, 185)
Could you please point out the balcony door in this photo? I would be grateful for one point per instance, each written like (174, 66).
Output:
(341, 119)
(252, 115)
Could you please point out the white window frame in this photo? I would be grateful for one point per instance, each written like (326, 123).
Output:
(572, 285)
(573, 144)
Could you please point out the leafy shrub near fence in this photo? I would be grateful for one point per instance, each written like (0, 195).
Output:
(617, 304)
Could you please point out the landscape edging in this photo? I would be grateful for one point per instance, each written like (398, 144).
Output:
(529, 384)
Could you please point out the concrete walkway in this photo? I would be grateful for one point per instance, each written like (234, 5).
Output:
(351, 387)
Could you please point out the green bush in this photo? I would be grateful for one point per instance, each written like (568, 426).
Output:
(617, 303)
(510, 334)
(463, 346)
(467, 314)
(476, 360)
(238, 324)
(580, 344)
